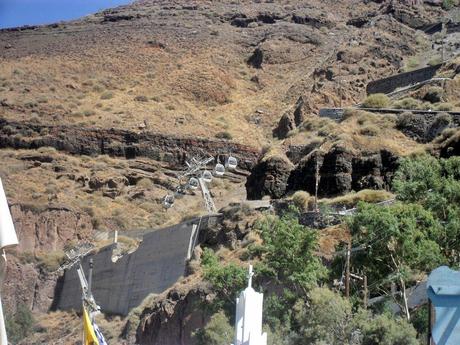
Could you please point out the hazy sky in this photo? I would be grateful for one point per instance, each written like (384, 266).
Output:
(29, 12)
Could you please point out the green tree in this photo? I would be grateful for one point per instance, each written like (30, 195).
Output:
(326, 319)
(20, 324)
(288, 252)
(227, 280)
(217, 331)
(434, 184)
(386, 330)
(397, 241)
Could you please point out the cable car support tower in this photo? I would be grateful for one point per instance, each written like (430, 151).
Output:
(197, 176)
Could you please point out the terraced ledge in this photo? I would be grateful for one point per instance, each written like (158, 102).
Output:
(118, 142)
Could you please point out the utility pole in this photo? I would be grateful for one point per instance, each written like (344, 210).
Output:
(365, 291)
(90, 274)
(430, 323)
(316, 182)
(347, 271)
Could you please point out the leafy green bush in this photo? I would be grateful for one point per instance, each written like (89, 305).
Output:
(449, 4)
(326, 319)
(399, 239)
(217, 331)
(377, 100)
(386, 330)
(20, 324)
(227, 280)
(288, 252)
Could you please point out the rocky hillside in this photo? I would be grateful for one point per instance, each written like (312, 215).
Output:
(97, 115)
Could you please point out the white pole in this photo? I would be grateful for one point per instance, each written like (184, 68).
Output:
(3, 337)
(8, 238)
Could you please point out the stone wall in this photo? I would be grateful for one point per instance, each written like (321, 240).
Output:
(390, 84)
(158, 262)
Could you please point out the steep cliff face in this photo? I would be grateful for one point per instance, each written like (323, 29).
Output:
(42, 235)
(50, 229)
(27, 284)
(339, 172)
(171, 318)
(117, 142)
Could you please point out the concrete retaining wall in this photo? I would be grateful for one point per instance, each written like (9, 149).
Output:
(390, 84)
(158, 262)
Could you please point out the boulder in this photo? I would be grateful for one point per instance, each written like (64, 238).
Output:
(269, 177)
(256, 59)
(290, 120)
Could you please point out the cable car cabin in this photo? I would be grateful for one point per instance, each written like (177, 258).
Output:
(206, 176)
(193, 183)
(168, 201)
(219, 170)
(232, 162)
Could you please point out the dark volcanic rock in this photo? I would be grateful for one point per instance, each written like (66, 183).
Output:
(118, 142)
(341, 171)
(336, 172)
(269, 177)
(290, 120)
(312, 18)
(256, 59)
(304, 175)
(285, 125)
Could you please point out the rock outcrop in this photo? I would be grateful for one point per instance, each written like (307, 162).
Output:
(290, 120)
(40, 232)
(171, 318)
(118, 142)
(269, 177)
(339, 170)
(27, 284)
(49, 229)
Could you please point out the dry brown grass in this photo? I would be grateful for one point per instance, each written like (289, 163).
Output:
(37, 187)
(367, 195)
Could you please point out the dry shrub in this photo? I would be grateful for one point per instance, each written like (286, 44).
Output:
(405, 119)
(50, 261)
(145, 183)
(366, 195)
(365, 116)
(444, 107)
(370, 131)
(407, 103)
(301, 200)
(378, 100)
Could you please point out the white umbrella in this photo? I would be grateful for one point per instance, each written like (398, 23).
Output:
(8, 238)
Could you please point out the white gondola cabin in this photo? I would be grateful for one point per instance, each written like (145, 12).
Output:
(168, 201)
(232, 162)
(193, 183)
(206, 176)
(219, 170)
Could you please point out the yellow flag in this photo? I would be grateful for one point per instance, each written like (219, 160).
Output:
(90, 336)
